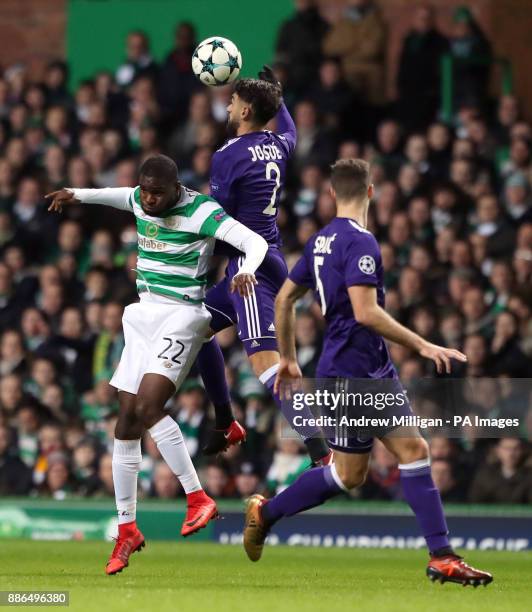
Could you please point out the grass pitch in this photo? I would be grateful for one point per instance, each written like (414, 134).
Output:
(203, 577)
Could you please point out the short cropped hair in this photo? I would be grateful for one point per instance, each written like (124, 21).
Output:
(161, 167)
(263, 97)
(350, 178)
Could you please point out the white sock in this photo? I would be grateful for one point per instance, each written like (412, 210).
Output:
(169, 439)
(126, 464)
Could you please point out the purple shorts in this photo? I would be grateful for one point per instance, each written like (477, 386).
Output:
(253, 316)
(348, 440)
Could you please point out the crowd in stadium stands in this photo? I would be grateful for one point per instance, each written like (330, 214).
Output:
(452, 212)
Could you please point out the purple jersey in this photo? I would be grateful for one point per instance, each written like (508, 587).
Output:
(339, 256)
(248, 173)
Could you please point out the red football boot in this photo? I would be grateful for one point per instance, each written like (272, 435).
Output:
(221, 439)
(129, 541)
(200, 510)
(452, 568)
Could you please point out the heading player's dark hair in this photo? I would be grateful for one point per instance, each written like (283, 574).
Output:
(350, 178)
(264, 98)
(161, 167)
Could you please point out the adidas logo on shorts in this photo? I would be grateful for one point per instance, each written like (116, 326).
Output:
(254, 344)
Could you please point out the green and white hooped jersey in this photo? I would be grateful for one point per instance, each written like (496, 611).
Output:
(174, 249)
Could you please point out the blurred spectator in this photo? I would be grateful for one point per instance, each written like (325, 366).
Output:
(165, 483)
(55, 81)
(298, 46)
(472, 53)
(332, 97)
(176, 79)
(191, 416)
(58, 482)
(84, 464)
(518, 201)
(288, 462)
(194, 130)
(315, 143)
(139, 61)
(12, 353)
(105, 476)
(15, 477)
(507, 480)
(418, 77)
(358, 38)
(308, 343)
(508, 358)
(217, 481)
(247, 480)
(444, 479)
(389, 153)
(110, 342)
(36, 226)
(507, 116)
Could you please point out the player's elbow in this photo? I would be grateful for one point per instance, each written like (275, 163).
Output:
(256, 247)
(365, 316)
(262, 245)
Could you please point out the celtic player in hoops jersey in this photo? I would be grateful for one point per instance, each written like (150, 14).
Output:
(177, 229)
(247, 176)
(342, 264)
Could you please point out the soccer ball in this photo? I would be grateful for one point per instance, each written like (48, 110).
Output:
(216, 61)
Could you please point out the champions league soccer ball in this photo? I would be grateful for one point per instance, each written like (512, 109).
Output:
(216, 61)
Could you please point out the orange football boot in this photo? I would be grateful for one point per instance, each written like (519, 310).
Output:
(452, 568)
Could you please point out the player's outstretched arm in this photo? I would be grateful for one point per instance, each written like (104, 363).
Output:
(117, 197)
(286, 128)
(289, 372)
(367, 312)
(58, 199)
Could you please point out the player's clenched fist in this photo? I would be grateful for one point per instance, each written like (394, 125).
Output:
(60, 198)
(243, 283)
(267, 74)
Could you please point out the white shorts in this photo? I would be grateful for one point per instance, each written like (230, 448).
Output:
(160, 339)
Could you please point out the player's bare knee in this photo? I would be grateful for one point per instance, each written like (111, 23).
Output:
(263, 362)
(352, 477)
(352, 481)
(148, 412)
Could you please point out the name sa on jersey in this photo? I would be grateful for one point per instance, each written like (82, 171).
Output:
(323, 244)
(265, 152)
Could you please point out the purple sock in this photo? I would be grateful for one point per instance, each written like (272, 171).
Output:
(211, 366)
(313, 437)
(424, 499)
(311, 489)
